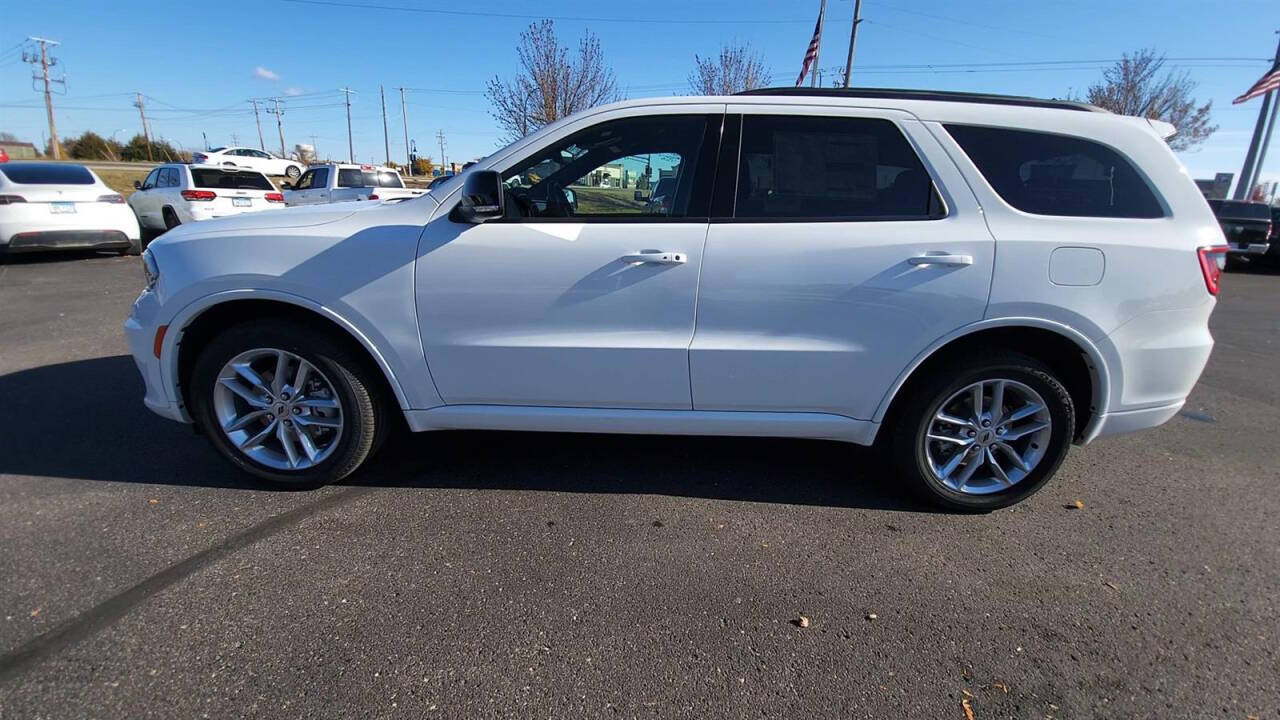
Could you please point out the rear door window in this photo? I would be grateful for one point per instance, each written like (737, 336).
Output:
(831, 168)
(1048, 174)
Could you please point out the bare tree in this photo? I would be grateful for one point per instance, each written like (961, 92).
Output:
(550, 85)
(737, 68)
(1136, 86)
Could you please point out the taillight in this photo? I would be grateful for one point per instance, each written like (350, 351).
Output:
(275, 197)
(11, 199)
(1212, 260)
(113, 199)
(373, 197)
(198, 195)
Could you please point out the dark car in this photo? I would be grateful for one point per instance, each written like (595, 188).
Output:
(1246, 225)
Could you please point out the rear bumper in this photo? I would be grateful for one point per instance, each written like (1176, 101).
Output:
(1250, 249)
(41, 240)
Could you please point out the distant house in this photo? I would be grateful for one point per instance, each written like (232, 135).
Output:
(20, 150)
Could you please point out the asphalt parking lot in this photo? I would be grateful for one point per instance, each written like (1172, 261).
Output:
(479, 575)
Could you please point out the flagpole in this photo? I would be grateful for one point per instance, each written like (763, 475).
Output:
(822, 25)
(1244, 184)
(1266, 141)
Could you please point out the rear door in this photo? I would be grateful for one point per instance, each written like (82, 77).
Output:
(847, 245)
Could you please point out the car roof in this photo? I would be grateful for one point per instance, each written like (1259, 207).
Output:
(929, 95)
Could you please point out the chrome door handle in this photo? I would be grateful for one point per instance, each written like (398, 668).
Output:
(658, 257)
(941, 260)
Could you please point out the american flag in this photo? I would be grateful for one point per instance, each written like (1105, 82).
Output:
(811, 54)
(1266, 84)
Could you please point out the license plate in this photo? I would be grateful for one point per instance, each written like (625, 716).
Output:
(62, 208)
(241, 202)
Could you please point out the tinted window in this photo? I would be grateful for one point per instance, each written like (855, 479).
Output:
(151, 180)
(168, 178)
(228, 180)
(389, 180)
(321, 180)
(609, 170)
(829, 168)
(42, 174)
(1242, 210)
(1050, 174)
(355, 178)
(304, 182)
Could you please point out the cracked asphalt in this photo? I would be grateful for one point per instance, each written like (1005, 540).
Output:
(477, 575)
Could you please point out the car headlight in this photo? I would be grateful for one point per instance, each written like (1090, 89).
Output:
(150, 270)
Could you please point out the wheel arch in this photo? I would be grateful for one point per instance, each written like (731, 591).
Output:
(1074, 358)
(201, 320)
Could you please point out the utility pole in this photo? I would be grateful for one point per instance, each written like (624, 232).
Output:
(45, 63)
(822, 27)
(386, 140)
(262, 145)
(279, 124)
(1245, 184)
(235, 140)
(443, 165)
(351, 147)
(408, 156)
(853, 38)
(146, 133)
(314, 148)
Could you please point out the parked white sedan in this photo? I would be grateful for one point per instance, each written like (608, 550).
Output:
(60, 206)
(263, 162)
(176, 194)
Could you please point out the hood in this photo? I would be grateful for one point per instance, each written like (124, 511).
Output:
(295, 217)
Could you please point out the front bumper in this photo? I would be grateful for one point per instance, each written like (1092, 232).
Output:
(140, 332)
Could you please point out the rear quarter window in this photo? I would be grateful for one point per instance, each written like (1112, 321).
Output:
(1048, 174)
(40, 174)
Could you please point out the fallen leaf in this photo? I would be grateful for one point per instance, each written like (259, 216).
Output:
(658, 523)
(35, 613)
(966, 693)
(764, 544)
(1001, 686)
(968, 711)
(872, 616)
(154, 501)
(801, 621)
(1077, 505)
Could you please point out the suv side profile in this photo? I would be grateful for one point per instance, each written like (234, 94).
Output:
(971, 283)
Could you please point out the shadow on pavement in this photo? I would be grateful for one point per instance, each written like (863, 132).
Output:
(85, 419)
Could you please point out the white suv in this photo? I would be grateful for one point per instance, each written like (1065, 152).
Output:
(971, 282)
(175, 194)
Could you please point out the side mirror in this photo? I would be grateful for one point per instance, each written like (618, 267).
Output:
(481, 197)
(285, 186)
(137, 184)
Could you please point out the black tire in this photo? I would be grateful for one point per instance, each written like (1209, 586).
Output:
(171, 220)
(292, 172)
(364, 412)
(909, 423)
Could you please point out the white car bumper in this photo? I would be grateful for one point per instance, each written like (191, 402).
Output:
(140, 331)
(33, 226)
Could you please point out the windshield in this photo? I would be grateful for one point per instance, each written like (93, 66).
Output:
(47, 174)
(230, 179)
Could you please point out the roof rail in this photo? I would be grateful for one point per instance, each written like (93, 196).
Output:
(932, 95)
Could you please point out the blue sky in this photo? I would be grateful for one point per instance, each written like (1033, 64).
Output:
(199, 63)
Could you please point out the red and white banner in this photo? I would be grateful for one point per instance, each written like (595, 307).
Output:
(1266, 84)
(811, 54)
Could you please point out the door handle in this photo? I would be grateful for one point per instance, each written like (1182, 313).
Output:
(657, 257)
(941, 260)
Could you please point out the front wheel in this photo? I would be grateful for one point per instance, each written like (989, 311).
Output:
(286, 403)
(982, 433)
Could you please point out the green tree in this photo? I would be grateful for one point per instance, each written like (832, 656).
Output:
(91, 146)
(136, 151)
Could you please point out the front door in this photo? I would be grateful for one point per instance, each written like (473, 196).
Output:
(583, 295)
(852, 245)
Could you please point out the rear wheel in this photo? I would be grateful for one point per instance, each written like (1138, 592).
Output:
(292, 172)
(983, 433)
(287, 403)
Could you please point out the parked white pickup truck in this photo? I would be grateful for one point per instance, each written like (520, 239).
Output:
(337, 182)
